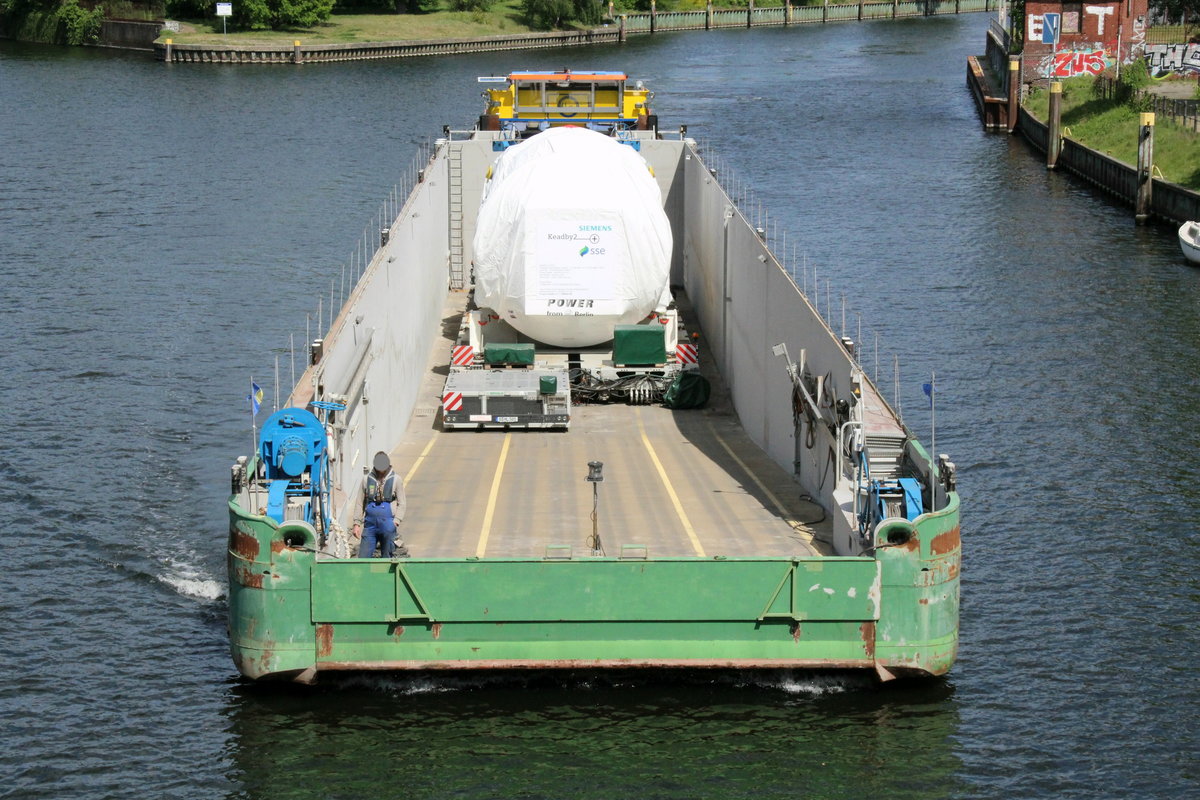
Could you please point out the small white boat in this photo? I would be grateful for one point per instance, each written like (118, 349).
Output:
(1189, 240)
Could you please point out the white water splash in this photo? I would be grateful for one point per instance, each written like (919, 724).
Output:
(200, 588)
(818, 685)
(189, 580)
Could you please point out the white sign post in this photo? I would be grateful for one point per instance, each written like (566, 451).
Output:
(1051, 28)
(224, 11)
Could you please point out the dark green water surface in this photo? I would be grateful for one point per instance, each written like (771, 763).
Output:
(163, 230)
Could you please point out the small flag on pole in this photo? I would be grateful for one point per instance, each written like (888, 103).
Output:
(928, 389)
(255, 397)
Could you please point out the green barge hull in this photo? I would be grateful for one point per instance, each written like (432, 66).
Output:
(293, 615)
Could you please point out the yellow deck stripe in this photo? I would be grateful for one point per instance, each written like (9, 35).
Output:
(486, 529)
(783, 512)
(416, 464)
(662, 473)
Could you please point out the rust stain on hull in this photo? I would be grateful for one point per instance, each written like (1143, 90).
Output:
(245, 545)
(867, 630)
(945, 543)
(324, 640)
(249, 578)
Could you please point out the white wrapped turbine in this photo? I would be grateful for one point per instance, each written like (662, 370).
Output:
(572, 238)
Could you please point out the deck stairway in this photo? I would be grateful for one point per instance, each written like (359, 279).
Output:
(885, 455)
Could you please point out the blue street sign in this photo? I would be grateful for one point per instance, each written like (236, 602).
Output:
(1051, 26)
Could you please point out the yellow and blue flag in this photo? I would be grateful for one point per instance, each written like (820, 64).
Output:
(255, 397)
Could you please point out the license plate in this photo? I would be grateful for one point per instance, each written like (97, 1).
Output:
(506, 419)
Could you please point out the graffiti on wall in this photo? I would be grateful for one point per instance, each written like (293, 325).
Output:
(1080, 62)
(1137, 42)
(1091, 60)
(1163, 59)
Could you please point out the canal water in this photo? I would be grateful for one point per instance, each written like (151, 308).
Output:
(164, 230)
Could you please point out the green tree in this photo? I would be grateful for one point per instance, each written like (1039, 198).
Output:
(554, 14)
(260, 15)
(189, 9)
(1176, 10)
(79, 25)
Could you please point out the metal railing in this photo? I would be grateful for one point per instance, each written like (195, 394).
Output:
(1183, 112)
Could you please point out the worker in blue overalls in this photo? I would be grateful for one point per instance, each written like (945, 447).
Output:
(382, 511)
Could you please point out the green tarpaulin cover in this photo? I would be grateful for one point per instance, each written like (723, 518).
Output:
(689, 390)
(639, 344)
(509, 353)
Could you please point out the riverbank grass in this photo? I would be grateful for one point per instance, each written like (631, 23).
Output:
(504, 18)
(1111, 127)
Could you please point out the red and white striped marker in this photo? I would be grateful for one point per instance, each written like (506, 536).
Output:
(452, 401)
(462, 355)
(686, 353)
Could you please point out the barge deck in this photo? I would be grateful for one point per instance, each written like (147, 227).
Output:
(677, 483)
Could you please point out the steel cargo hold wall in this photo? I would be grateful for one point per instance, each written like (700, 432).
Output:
(378, 345)
(665, 158)
(748, 304)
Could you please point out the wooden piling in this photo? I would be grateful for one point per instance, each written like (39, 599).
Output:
(1014, 90)
(1054, 129)
(1145, 168)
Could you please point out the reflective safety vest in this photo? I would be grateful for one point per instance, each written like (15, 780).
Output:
(381, 491)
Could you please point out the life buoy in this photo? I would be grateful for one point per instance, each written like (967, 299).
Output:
(567, 101)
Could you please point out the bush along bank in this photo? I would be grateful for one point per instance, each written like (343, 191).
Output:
(53, 22)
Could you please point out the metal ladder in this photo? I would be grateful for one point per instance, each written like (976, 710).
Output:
(454, 162)
(885, 454)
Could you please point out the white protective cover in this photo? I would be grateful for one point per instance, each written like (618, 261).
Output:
(572, 238)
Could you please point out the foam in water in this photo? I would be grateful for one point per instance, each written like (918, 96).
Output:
(189, 581)
(199, 588)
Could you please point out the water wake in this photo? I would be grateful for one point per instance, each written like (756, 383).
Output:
(190, 581)
(199, 588)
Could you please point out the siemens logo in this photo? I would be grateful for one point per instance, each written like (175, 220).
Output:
(602, 228)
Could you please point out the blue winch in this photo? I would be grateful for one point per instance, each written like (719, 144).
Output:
(900, 497)
(292, 449)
